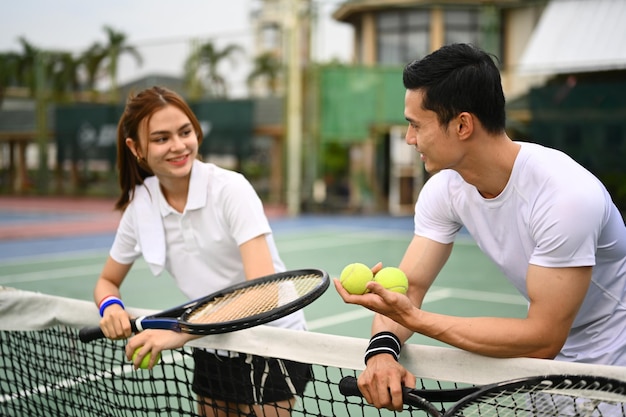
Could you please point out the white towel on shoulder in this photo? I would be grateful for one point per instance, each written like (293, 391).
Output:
(151, 236)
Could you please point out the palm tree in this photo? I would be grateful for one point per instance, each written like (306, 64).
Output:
(8, 72)
(51, 74)
(268, 69)
(26, 65)
(201, 70)
(192, 81)
(91, 63)
(114, 49)
(62, 69)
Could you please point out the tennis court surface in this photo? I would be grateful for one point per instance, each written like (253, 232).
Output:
(50, 257)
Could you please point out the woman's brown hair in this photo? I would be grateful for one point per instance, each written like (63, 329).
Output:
(139, 107)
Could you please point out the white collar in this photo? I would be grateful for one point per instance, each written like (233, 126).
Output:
(150, 208)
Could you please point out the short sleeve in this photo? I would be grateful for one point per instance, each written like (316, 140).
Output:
(566, 226)
(244, 210)
(125, 248)
(434, 215)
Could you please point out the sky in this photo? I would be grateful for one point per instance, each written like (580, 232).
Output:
(161, 30)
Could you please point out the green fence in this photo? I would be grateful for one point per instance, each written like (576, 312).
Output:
(354, 99)
(586, 120)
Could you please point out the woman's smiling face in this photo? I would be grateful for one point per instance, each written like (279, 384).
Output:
(169, 143)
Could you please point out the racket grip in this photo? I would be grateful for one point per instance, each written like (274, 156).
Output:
(89, 334)
(348, 387)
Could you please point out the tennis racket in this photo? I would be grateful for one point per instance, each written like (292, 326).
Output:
(552, 395)
(237, 307)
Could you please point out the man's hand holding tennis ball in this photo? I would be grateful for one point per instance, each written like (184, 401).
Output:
(355, 277)
(379, 289)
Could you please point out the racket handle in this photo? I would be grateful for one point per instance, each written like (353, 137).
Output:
(348, 387)
(89, 334)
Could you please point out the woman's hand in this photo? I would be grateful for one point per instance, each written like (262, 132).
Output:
(115, 323)
(153, 342)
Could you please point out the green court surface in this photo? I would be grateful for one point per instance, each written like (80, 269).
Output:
(469, 285)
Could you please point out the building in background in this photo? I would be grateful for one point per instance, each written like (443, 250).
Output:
(581, 108)
(338, 144)
(562, 65)
(382, 174)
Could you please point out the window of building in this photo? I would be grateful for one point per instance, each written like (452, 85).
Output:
(403, 35)
(270, 37)
(462, 26)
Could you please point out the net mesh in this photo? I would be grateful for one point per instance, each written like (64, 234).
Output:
(46, 370)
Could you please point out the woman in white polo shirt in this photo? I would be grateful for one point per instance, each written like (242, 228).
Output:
(206, 226)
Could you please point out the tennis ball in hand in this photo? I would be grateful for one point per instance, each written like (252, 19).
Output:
(146, 359)
(355, 277)
(392, 279)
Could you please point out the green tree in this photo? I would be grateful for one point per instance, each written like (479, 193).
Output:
(267, 68)
(8, 72)
(91, 61)
(202, 75)
(26, 65)
(59, 77)
(62, 70)
(116, 47)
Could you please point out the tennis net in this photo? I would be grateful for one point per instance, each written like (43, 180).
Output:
(46, 371)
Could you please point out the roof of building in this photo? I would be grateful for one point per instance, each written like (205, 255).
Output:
(575, 36)
(348, 9)
(147, 81)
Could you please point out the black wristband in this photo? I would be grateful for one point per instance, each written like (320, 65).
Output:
(383, 342)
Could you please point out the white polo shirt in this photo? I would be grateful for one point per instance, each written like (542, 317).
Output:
(200, 246)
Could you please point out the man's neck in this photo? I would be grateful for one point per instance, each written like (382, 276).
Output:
(489, 165)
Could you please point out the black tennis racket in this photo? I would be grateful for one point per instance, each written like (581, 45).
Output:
(237, 307)
(552, 395)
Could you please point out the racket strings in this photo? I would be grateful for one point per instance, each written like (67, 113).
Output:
(254, 300)
(547, 399)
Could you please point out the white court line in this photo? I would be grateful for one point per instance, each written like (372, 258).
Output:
(332, 234)
(436, 294)
(287, 246)
(63, 273)
(166, 357)
(342, 318)
(490, 297)
(361, 313)
(291, 246)
(55, 257)
(354, 238)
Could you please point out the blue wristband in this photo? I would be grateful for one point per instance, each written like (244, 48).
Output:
(108, 301)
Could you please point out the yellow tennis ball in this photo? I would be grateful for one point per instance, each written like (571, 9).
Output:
(392, 279)
(355, 277)
(146, 359)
